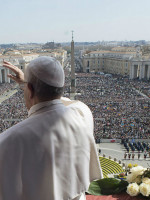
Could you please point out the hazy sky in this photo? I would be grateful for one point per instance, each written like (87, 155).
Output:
(91, 20)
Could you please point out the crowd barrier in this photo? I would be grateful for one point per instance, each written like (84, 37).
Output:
(119, 140)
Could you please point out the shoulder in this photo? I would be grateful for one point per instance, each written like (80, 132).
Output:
(82, 108)
(75, 104)
(83, 112)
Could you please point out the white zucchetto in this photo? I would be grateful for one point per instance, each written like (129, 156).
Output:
(48, 70)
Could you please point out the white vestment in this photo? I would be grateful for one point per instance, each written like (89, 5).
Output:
(51, 155)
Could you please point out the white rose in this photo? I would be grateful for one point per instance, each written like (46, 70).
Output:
(145, 189)
(139, 170)
(146, 180)
(133, 189)
(131, 177)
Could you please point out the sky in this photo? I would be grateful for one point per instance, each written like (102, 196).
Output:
(41, 21)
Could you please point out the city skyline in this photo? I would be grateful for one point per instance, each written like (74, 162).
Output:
(41, 21)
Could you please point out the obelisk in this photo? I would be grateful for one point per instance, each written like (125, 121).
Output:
(72, 67)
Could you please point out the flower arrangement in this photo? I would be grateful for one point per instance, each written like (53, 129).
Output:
(139, 181)
(136, 182)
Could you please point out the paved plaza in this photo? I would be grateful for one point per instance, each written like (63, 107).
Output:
(117, 150)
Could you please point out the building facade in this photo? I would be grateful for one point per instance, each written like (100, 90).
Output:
(129, 63)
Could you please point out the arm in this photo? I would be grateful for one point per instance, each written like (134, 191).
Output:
(18, 75)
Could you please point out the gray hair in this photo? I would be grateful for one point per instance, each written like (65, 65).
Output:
(42, 90)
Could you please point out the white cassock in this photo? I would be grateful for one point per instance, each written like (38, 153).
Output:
(51, 155)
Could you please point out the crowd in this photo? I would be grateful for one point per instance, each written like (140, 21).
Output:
(118, 107)
(12, 109)
(4, 88)
(144, 87)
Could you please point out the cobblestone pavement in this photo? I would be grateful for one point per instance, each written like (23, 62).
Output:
(117, 150)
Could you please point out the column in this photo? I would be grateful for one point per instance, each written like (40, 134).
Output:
(0, 76)
(143, 72)
(148, 74)
(132, 71)
(146, 71)
(140, 72)
(5, 75)
(7, 80)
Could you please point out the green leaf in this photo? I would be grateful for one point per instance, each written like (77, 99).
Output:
(107, 186)
(94, 188)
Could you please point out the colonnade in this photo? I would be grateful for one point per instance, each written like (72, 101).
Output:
(140, 70)
(4, 72)
(3, 75)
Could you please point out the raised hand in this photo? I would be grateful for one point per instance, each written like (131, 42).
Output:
(18, 75)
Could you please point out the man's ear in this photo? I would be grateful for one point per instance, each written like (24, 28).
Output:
(31, 90)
